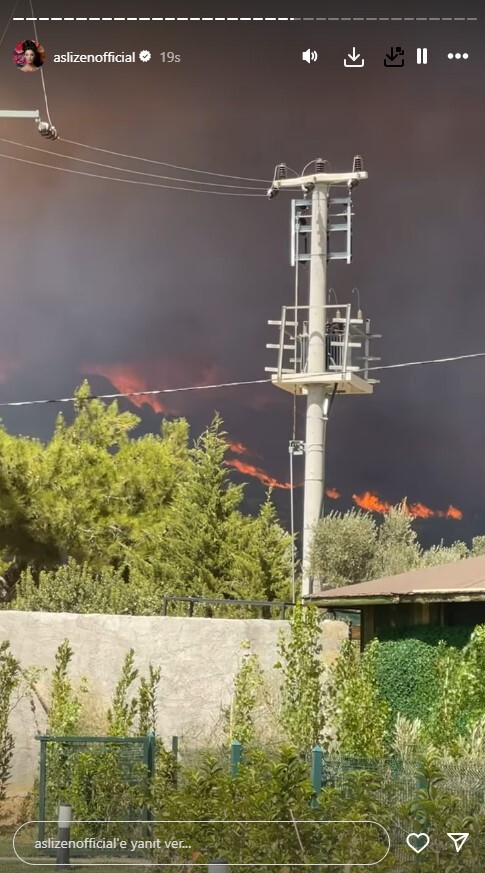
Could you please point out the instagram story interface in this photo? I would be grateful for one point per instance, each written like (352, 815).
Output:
(242, 530)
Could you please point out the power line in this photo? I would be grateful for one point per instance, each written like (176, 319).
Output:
(130, 181)
(162, 163)
(159, 391)
(41, 69)
(124, 170)
(423, 363)
(137, 393)
(9, 22)
(120, 154)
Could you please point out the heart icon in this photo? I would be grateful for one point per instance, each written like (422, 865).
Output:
(417, 842)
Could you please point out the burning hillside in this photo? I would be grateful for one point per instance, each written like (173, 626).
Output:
(372, 503)
(128, 379)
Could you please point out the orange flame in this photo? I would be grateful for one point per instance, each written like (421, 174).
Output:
(372, 503)
(452, 512)
(164, 373)
(257, 473)
(239, 449)
(126, 380)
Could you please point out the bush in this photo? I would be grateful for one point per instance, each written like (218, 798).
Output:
(431, 634)
(361, 714)
(10, 675)
(406, 677)
(343, 548)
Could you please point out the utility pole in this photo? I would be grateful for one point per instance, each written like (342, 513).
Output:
(324, 364)
(315, 424)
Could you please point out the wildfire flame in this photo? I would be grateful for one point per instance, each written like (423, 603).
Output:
(239, 449)
(372, 503)
(257, 473)
(453, 512)
(125, 379)
(162, 374)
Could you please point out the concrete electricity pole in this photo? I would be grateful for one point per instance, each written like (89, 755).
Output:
(315, 424)
(326, 365)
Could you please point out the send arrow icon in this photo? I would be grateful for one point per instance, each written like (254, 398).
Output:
(352, 60)
(459, 840)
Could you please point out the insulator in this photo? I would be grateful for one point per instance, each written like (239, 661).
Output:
(272, 192)
(281, 171)
(320, 165)
(48, 131)
(358, 166)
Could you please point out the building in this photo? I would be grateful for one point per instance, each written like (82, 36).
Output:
(447, 595)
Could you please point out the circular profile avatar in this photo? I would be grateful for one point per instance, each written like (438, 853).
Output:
(28, 56)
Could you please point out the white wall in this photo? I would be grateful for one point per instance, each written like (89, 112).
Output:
(198, 658)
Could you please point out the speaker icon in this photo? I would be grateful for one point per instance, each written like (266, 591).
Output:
(309, 56)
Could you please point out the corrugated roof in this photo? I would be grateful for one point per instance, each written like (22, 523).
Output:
(462, 577)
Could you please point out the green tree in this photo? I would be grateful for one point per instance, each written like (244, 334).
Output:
(99, 520)
(442, 554)
(478, 546)
(10, 677)
(361, 715)
(123, 711)
(302, 713)
(200, 528)
(397, 549)
(248, 682)
(66, 703)
(351, 547)
(90, 493)
(260, 551)
(344, 547)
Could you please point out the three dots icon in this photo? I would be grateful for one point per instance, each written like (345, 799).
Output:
(458, 56)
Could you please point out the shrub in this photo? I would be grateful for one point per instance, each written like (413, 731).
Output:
(10, 676)
(361, 713)
(301, 715)
(406, 677)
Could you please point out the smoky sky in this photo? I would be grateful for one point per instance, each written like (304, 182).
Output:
(177, 285)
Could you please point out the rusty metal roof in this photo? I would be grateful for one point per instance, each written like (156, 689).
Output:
(461, 580)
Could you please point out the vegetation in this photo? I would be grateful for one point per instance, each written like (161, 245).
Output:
(352, 547)
(248, 682)
(361, 711)
(98, 520)
(101, 520)
(100, 781)
(408, 774)
(302, 714)
(10, 678)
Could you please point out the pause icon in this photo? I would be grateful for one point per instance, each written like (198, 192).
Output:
(422, 56)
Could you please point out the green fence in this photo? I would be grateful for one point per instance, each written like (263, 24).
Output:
(66, 761)
(69, 765)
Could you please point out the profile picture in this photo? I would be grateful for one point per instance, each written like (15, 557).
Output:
(28, 56)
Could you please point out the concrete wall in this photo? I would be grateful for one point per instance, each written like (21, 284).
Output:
(198, 658)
